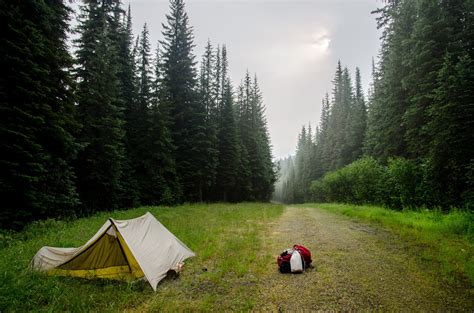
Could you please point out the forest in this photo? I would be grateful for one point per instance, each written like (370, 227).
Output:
(409, 142)
(112, 124)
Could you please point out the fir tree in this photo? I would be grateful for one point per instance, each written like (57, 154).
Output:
(163, 152)
(357, 122)
(268, 174)
(187, 113)
(128, 94)
(99, 164)
(336, 123)
(227, 170)
(36, 113)
(451, 152)
(210, 101)
(386, 130)
(244, 186)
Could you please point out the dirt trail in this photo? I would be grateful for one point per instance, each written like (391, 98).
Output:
(358, 267)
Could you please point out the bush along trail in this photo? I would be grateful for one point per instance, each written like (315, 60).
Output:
(358, 266)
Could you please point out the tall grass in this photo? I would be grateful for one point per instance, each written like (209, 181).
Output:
(445, 240)
(224, 237)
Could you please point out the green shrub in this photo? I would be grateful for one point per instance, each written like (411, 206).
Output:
(402, 186)
(358, 182)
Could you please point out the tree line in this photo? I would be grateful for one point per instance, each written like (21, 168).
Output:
(114, 126)
(412, 140)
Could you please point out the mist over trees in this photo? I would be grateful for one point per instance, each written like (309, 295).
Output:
(119, 125)
(415, 132)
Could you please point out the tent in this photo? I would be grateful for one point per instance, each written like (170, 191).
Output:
(121, 249)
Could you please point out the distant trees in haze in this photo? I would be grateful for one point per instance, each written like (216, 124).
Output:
(336, 142)
(418, 126)
(115, 126)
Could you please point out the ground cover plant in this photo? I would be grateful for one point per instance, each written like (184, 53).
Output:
(225, 238)
(443, 240)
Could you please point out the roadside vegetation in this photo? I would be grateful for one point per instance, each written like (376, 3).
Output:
(443, 241)
(223, 275)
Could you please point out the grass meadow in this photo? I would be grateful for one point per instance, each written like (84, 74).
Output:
(222, 276)
(444, 241)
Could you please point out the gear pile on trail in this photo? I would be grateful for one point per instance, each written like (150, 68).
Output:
(294, 260)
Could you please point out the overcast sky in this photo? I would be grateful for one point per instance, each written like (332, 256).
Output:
(293, 46)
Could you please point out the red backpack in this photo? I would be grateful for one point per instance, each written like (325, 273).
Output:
(284, 259)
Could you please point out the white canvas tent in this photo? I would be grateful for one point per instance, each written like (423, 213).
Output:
(121, 249)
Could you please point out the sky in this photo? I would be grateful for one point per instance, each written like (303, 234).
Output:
(292, 45)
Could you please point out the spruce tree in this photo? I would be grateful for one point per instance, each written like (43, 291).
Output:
(336, 123)
(227, 170)
(37, 124)
(357, 122)
(210, 99)
(128, 94)
(322, 139)
(429, 40)
(348, 125)
(386, 129)
(187, 113)
(265, 149)
(450, 157)
(244, 186)
(165, 182)
(99, 164)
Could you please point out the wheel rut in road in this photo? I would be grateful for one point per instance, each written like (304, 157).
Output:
(357, 267)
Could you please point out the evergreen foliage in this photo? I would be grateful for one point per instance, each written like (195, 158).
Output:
(208, 78)
(128, 93)
(99, 163)
(228, 163)
(187, 113)
(254, 142)
(37, 124)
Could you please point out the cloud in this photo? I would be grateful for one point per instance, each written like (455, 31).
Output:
(292, 55)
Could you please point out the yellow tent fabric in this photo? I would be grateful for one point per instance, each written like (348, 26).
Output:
(107, 257)
(123, 250)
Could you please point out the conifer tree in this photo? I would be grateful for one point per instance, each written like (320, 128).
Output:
(429, 40)
(267, 175)
(227, 170)
(386, 130)
(37, 124)
(99, 164)
(244, 186)
(450, 157)
(336, 123)
(128, 94)
(348, 131)
(357, 122)
(187, 113)
(141, 137)
(322, 139)
(210, 99)
(163, 151)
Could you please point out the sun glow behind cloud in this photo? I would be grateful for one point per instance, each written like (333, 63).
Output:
(293, 54)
